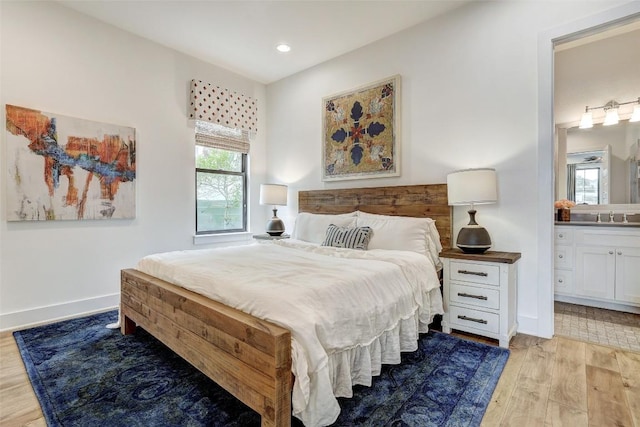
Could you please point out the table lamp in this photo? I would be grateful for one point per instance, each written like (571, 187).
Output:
(472, 187)
(275, 195)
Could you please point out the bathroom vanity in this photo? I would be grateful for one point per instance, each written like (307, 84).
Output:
(598, 264)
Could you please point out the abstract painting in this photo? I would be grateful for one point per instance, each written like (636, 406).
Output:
(360, 132)
(64, 168)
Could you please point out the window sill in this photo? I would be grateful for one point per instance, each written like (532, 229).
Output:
(205, 239)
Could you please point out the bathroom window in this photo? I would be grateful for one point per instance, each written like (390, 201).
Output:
(587, 186)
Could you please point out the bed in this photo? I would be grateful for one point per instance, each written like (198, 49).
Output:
(247, 355)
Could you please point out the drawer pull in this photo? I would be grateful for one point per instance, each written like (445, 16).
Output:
(462, 294)
(471, 319)
(475, 273)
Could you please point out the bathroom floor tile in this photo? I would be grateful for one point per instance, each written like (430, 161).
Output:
(598, 325)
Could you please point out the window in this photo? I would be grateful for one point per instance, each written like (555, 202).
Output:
(221, 190)
(587, 185)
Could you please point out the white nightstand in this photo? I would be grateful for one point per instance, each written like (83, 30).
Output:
(269, 237)
(480, 293)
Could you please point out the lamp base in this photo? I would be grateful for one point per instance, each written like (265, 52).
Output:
(473, 239)
(275, 227)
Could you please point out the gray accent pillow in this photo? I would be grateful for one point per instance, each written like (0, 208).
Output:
(346, 237)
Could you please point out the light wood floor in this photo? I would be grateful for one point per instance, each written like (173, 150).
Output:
(556, 382)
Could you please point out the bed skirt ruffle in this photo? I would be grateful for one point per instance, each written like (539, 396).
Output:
(357, 365)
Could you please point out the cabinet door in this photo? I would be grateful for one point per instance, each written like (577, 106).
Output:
(628, 275)
(595, 271)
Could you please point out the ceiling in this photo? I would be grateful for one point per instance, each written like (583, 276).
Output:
(241, 36)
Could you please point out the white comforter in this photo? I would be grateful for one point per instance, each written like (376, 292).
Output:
(342, 306)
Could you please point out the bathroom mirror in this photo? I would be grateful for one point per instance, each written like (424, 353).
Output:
(590, 71)
(600, 165)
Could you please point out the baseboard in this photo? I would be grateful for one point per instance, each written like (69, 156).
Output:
(628, 308)
(529, 326)
(54, 313)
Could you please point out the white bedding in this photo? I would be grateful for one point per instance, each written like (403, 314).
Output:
(348, 310)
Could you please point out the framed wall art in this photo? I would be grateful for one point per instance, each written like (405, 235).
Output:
(64, 168)
(360, 132)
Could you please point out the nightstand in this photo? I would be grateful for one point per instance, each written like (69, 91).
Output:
(480, 293)
(269, 237)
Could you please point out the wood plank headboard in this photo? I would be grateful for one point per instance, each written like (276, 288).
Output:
(422, 201)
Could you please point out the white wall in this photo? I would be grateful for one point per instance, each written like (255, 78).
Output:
(57, 60)
(470, 86)
(595, 73)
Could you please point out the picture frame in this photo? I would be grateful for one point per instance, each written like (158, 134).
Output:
(67, 168)
(361, 132)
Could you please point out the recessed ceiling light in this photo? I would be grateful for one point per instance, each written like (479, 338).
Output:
(283, 47)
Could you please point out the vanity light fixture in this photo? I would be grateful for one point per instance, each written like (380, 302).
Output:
(586, 122)
(611, 113)
(635, 116)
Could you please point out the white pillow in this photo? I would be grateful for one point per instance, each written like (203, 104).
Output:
(312, 227)
(403, 233)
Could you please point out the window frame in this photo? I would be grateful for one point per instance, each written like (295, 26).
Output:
(242, 173)
(583, 169)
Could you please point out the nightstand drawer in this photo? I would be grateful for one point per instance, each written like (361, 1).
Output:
(474, 295)
(476, 319)
(475, 272)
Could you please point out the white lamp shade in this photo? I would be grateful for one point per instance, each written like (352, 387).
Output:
(611, 118)
(635, 116)
(587, 120)
(472, 186)
(273, 194)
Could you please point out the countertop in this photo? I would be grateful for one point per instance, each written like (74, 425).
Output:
(598, 224)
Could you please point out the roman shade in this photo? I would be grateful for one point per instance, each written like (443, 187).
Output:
(223, 118)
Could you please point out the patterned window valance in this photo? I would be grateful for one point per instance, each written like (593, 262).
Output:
(224, 119)
(222, 106)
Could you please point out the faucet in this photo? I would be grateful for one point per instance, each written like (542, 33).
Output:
(611, 216)
(624, 218)
(597, 214)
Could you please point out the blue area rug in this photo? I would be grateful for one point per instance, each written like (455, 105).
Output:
(87, 375)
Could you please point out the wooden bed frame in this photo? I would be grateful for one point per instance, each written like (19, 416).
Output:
(247, 356)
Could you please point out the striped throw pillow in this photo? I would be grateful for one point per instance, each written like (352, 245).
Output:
(345, 237)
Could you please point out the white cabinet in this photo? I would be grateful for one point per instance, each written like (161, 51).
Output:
(595, 271)
(628, 275)
(480, 293)
(598, 266)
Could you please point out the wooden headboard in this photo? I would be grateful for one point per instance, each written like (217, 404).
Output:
(422, 201)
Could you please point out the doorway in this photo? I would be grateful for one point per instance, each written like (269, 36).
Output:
(546, 148)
